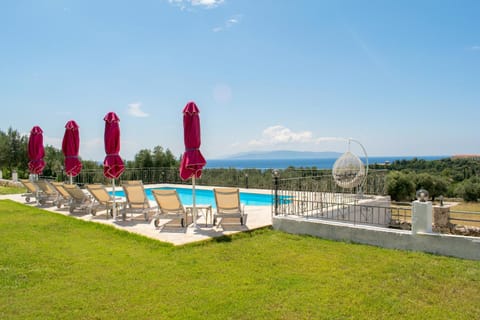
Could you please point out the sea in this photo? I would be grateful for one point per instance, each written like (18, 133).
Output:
(321, 163)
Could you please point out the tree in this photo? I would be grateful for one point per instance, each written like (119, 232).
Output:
(440, 187)
(469, 189)
(53, 161)
(435, 185)
(143, 159)
(13, 152)
(158, 156)
(4, 153)
(424, 181)
(400, 186)
(90, 165)
(170, 160)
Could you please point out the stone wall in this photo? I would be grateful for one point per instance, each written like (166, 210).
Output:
(443, 244)
(441, 215)
(10, 183)
(458, 241)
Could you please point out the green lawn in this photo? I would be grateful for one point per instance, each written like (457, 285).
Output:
(11, 190)
(57, 267)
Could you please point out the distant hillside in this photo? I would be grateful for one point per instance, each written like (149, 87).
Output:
(283, 154)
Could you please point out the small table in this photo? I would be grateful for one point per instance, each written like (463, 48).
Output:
(120, 204)
(206, 208)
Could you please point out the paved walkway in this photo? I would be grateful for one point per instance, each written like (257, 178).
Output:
(255, 217)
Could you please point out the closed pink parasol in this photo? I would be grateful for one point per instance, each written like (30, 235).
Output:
(70, 148)
(113, 166)
(36, 151)
(192, 159)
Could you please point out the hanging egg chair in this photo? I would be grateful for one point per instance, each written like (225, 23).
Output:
(348, 171)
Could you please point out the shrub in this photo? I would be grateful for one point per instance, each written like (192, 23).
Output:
(469, 190)
(435, 185)
(400, 186)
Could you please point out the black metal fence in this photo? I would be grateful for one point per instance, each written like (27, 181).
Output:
(464, 218)
(247, 178)
(401, 214)
(318, 196)
(147, 175)
(230, 177)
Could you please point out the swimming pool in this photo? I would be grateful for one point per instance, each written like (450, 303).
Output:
(206, 197)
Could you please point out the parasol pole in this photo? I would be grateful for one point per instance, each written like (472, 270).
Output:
(114, 206)
(71, 179)
(35, 178)
(194, 204)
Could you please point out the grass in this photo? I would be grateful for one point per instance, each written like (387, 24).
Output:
(468, 207)
(57, 267)
(11, 190)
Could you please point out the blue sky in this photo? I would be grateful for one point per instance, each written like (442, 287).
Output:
(401, 77)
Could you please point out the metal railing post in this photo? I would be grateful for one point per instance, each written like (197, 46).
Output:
(275, 182)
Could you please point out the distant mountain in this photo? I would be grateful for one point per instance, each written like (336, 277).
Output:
(283, 154)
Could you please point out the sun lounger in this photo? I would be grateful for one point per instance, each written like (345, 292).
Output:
(104, 201)
(137, 201)
(169, 207)
(34, 191)
(49, 193)
(64, 197)
(78, 198)
(132, 182)
(228, 204)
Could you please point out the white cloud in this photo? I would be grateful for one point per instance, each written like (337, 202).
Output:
(229, 23)
(183, 4)
(134, 110)
(329, 139)
(207, 3)
(179, 3)
(280, 135)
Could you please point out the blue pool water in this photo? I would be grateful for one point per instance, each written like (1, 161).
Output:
(206, 196)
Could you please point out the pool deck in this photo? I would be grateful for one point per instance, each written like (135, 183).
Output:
(255, 217)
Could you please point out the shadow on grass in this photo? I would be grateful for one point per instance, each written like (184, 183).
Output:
(245, 234)
(223, 238)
